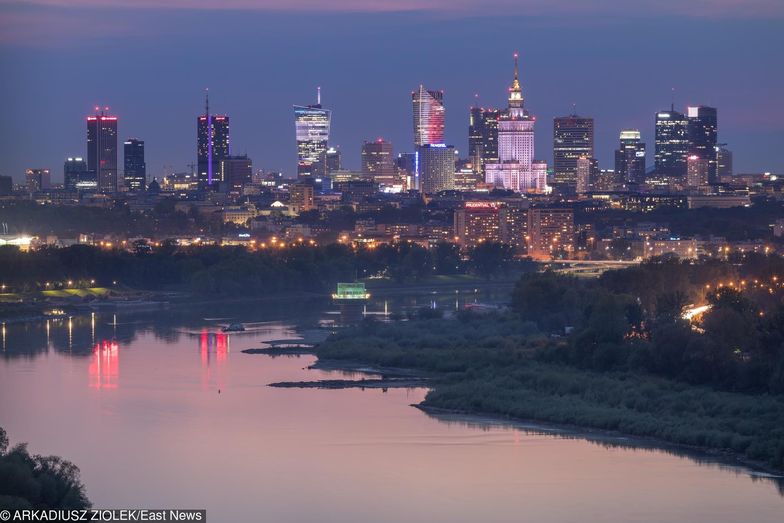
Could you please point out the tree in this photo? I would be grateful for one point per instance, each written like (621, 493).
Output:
(490, 259)
(33, 481)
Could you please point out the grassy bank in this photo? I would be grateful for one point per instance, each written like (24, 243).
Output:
(488, 365)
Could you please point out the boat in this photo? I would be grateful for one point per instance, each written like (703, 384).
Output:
(234, 327)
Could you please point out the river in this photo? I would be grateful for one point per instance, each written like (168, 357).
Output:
(162, 409)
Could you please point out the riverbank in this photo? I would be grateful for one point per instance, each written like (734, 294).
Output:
(488, 368)
(435, 405)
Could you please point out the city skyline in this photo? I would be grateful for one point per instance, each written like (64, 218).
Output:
(168, 89)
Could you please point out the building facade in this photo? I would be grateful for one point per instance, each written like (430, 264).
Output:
(515, 167)
(38, 180)
(483, 137)
(102, 151)
(550, 232)
(723, 163)
(76, 176)
(212, 145)
(672, 143)
(312, 126)
(703, 134)
(697, 172)
(436, 168)
(378, 163)
(236, 172)
(572, 139)
(630, 158)
(429, 116)
(587, 169)
(135, 171)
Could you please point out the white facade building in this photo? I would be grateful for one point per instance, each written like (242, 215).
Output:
(516, 168)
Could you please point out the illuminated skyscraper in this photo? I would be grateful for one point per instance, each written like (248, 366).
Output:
(378, 163)
(428, 116)
(572, 139)
(135, 172)
(102, 150)
(630, 157)
(514, 168)
(672, 143)
(703, 130)
(312, 123)
(212, 145)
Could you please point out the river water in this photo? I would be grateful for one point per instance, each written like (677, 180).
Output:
(163, 410)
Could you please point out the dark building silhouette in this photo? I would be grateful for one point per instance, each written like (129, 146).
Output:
(572, 139)
(378, 163)
(703, 131)
(102, 151)
(6, 185)
(672, 143)
(483, 136)
(630, 158)
(236, 172)
(135, 172)
(76, 176)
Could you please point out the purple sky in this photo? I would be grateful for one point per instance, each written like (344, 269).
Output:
(149, 60)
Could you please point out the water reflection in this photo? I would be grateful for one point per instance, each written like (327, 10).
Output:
(352, 454)
(605, 440)
(104, 369)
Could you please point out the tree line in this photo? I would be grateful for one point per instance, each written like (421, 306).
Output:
(239, 271)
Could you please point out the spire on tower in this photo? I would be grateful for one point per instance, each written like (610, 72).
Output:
(515, 91)
(207, 101)
(318, 95)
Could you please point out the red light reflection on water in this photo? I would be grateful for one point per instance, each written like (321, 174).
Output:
(210, 343)
(104, 367)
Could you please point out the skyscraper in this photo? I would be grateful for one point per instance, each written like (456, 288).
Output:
(76, 176)
(482, 137)
(236, 172)
(514, 168)
(311, 124)
(102, 150)
(333, 160)
(587, 168)
(428, 116)
(696, 172)
(378, 162)
(703, 130)
(672, 143)
(135, 172)
(630, 157)
(436, 167)
(572, 139)
(723, 163)
(212, 145)
(475, 128)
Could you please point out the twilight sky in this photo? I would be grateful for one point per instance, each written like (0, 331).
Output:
(150, 60)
